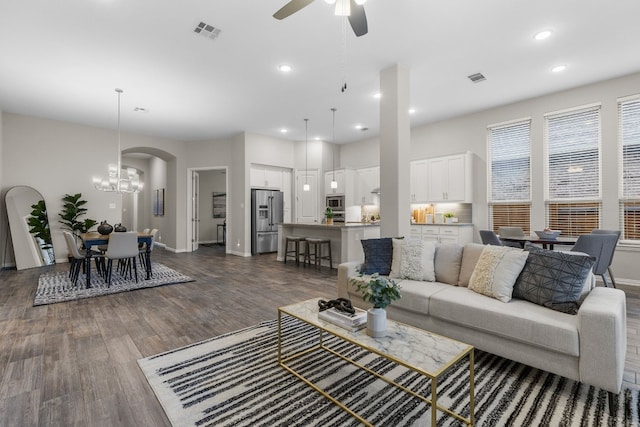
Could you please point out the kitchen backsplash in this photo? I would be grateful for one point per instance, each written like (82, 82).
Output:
(422, 212)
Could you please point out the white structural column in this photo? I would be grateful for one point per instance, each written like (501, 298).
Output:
(395, 144)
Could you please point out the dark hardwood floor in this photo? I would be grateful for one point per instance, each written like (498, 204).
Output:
(74, 363)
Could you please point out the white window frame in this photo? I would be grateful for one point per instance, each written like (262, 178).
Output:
(622, 198)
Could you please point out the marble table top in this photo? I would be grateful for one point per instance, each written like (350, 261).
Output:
(420, 350)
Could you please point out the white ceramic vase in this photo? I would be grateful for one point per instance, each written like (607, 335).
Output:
(376, 322)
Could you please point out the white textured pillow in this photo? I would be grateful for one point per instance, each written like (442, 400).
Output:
(413, 259)
(396, 259)
(497, 270)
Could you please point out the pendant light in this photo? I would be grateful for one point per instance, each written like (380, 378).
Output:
(119, 182)
(306, 186)
(334, 183)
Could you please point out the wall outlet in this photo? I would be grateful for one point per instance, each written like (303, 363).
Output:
(112, 205)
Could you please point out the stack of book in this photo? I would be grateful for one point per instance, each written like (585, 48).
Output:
(352, 322)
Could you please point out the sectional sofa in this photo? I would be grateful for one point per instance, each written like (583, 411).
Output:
(588, 346)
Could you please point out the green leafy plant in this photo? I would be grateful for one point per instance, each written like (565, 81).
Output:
(72, 210)
(39, 224)
(448, 215)
(328, 213)
(378, 290)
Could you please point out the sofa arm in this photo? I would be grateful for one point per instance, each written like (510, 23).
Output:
(602, 325)
(345, 271)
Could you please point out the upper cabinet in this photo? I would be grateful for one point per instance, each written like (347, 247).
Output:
(449, 179)
(418, 181)
(266, 177)
(368, 180)
(344, 179)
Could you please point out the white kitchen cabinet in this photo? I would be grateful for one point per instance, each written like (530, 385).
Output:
(286, 196)
(346, 184)
(368, 180)
(461, 234)
(418, 181)
(450, 178)
(266, 177)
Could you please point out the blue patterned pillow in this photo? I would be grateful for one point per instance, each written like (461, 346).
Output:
(378, 254)
(553, 279)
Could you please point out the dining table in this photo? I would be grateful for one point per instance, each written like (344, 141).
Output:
(92, 239)
(546, 243)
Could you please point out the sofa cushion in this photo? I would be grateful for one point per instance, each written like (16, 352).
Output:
(470, 255)
(378, 255)
(518, 320)
(497, 270)
(413, 259)
(553, 279)
(447, 262)
(415, 294)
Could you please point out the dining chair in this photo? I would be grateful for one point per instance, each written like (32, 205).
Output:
(142, 252)
(610, 261)
(511, 232)
(145, 231)
(78, 258)
(601, 247)
(122, 247)
(489, 237)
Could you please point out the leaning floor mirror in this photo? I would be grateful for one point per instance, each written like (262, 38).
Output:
(29, 224)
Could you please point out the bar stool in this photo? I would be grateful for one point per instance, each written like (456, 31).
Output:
(296, 252)
(316, 256)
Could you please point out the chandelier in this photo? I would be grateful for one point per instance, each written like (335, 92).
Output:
(119, 180)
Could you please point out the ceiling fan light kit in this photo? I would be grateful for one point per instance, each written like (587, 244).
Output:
(350, 8)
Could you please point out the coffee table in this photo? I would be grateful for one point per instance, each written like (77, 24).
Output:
(421, 351)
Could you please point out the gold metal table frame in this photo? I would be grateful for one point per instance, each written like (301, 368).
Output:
(303, 312)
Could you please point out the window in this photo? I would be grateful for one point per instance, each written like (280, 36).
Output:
(629, 166)
(572, 173)
(509, 160)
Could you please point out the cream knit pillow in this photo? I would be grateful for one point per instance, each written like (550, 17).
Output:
(497, 270)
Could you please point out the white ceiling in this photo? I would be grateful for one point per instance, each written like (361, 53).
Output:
(63, 59)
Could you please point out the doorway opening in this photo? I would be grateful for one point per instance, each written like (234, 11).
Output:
(208, 208)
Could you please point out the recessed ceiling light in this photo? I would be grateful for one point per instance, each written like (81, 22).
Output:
(377, 95)
(542, 35)
(317, 138)
(359, 127)
(412, 110)
(559, 68)
(283, 130)
(285, 68)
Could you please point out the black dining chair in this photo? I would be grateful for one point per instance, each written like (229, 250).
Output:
(610, 260)
(488, 237)
(601, 247)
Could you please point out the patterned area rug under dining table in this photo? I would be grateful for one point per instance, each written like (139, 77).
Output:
(235, 380)
(56, 286)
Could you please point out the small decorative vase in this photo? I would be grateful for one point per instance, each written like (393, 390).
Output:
(376, 322)
(329, 221)
(104, 228)
(119, 228)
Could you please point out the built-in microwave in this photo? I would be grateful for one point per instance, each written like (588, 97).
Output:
(335, 203)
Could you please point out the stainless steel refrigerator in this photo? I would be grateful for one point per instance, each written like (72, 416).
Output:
(266, 213)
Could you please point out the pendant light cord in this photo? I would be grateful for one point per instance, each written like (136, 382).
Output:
(333, 149)
(306, 150)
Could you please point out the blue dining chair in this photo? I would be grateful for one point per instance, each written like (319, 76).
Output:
(488, 237)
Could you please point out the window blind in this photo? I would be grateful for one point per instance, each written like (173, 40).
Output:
(629, 165)
(509, 154)
(572, 171)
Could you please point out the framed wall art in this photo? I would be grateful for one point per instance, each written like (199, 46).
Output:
(219, 205)
(158, 202)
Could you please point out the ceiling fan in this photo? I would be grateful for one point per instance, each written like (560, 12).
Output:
(354, 9)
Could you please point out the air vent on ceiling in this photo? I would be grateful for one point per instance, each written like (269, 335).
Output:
(206, 30)
(477, 77)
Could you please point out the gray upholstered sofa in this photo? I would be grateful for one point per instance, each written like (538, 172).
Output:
(588, 347)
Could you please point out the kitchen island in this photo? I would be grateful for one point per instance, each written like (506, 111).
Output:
(345, 238)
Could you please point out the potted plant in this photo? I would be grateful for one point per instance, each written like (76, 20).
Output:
(448, 217)
(380, 292)
(72, 210)
(328, 213)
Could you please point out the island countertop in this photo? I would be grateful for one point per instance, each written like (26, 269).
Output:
(334, 225)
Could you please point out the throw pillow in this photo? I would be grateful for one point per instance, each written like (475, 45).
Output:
(378, 254)
(413, 259)
(470, 256)
(447, 262)
(497, 270)
(554, 279)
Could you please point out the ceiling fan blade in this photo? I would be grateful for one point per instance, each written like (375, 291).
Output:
(290, 8)
(358, 19)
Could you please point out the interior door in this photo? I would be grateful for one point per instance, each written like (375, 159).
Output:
(307, 201)
(195, 209)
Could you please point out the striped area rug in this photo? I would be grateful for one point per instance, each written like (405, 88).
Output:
(57, 287)
(234, 380)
